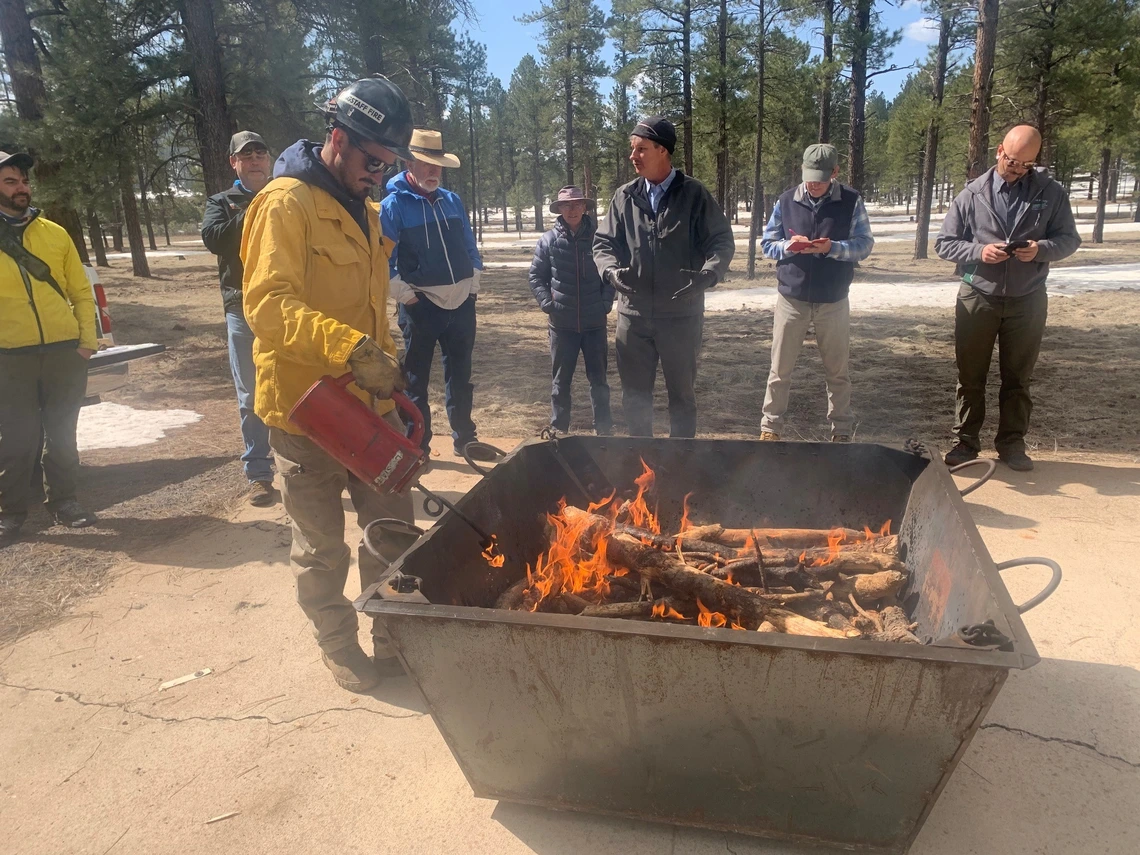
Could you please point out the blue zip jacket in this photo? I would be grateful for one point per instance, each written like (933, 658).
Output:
(565, 280)
(434, 241)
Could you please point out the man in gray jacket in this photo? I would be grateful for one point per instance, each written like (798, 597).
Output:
(1002, 231)
(664, 242)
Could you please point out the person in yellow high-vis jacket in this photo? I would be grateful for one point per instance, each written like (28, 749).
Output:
(47, 333)
(315, 292)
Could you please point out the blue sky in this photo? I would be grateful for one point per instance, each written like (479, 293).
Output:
(508, 41)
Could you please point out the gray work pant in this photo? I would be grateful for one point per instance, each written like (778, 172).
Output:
(311, 489)
(832, 322)
(1017, 324)
(676, 342)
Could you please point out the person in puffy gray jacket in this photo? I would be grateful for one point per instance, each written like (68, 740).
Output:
(1002, 231)
(569, 289)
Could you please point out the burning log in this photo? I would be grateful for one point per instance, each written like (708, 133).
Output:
(896, 626)
(787, 538)
(868, 588)
(512, 598)
(795, 624)
(746, 571)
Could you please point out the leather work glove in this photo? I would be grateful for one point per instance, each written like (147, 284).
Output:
(699, 280)
(374, 370)
(617, 279)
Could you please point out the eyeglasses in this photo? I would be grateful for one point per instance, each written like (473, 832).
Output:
(252, 154)
(372, 164)
(1019, 164)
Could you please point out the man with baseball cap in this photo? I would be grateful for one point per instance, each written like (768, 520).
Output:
(664, 242)
(817, 232)
(576, 300)
(47, 334)
(435, 270)
(315, 291)
(221, 233)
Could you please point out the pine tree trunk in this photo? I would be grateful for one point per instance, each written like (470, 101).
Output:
(1114, 178)
(722, 109)
(568, 85)
(978, 158)
(536, 181)
(862, 20)
(476, 224)
(930, 160)
(96, 233)
(207, 81)
(117, 226)
(22, 62)
(687, 81)
(1102, 192)
(828, 57)
(162, 214)
(139, 264)
(146, 209)
(756, 226)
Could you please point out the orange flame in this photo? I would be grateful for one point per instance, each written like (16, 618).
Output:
(639, 512)
(662, 610)
(567, 567)
(686, 524)
(493, 554)
(709, 618)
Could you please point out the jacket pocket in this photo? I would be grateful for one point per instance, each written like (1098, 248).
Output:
(339, 278)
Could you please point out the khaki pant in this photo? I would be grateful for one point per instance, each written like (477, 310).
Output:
(40, 396)
(790, 324)
(312, 486)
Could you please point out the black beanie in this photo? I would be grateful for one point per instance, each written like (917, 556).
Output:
(657, 129)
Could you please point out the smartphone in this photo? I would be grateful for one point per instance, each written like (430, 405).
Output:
(1014, 244)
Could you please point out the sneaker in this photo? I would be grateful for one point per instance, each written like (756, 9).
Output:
(841, 437)
(959, 454)
(768, 436)
(262, 494)
(1018, 461)
(10, 530)
(72, 515)
(351, 668)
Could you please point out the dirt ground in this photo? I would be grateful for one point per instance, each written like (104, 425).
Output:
(1085, 393)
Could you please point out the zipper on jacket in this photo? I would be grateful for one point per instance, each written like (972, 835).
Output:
(32, 301)
(1008, 236)
(442, 239)
(578, 278)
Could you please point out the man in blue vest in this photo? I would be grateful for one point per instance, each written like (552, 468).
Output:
(818, 231)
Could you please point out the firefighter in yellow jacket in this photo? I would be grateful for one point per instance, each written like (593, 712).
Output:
(315, 295)
(47, 333)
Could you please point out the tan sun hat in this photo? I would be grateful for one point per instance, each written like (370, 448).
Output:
(427, 146)
(570, 193)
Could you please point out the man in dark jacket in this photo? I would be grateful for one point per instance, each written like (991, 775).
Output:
(1002, 231)
(817, 232)
(221, 233)
(664, 241)
(569, 289)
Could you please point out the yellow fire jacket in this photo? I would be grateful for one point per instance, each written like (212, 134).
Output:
(32, 313)
(313, 287)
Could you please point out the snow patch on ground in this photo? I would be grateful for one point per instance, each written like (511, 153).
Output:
(886, 296)
(107, 425)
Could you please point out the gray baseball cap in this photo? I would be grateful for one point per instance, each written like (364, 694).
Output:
(820, 161)
(21, 160)
(243, 138)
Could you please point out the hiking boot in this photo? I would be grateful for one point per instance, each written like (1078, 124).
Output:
(262, 494)
(10, 530)
(1018, 461)
(959, 454)
(72, 515)
(351, 668)
(768, 436)
(841, 437)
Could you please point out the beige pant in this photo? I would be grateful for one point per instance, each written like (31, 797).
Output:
(312, 486)
(790, 324)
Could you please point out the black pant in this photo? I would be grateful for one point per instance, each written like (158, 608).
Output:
(40, 397)
(564, 348)
(1017, 324)
(677, 343)
(424, 324)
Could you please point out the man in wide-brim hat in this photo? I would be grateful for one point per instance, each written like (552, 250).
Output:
(435, 278)
(569, 289)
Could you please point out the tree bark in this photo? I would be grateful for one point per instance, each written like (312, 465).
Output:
(756, 226)
(117, 226)
(146, 209)
(568, 85)
(212, 123)
(930, 159)
(1114, 178)
(1102, 192)
(687, 81)
(722, 109)
(978, 158)
(139, 264)
(859, 94)
(536, 180)
(21, 60)
(828, 9)
(96, 233)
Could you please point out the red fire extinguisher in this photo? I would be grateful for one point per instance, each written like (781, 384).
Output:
(353, 434)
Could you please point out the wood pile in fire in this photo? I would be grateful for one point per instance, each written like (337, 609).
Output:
(612, 560)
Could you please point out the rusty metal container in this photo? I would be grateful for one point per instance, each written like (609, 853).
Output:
(810, 740)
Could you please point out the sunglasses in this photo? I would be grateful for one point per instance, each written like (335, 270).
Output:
(372, 164)
(1019, 164)
(249, 154)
